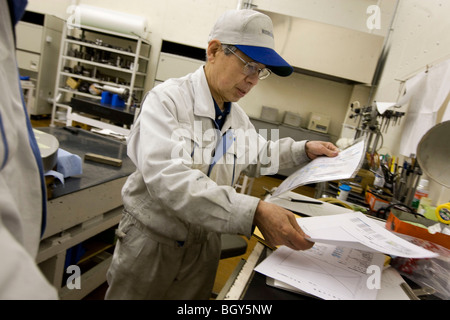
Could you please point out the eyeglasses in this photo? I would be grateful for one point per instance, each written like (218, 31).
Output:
(251, 68)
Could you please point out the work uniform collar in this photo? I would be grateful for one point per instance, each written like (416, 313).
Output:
(221, 115)
(203, 101)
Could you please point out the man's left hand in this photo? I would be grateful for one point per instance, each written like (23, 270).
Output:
(316, 149)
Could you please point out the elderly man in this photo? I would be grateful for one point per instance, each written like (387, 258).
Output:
(190, 143)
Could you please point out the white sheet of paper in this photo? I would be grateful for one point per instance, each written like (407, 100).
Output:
(326, 271)
(355, 230)
(390, 289)
(313, 210)
(343, 166)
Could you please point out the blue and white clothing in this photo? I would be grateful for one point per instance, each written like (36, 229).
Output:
(22, 187)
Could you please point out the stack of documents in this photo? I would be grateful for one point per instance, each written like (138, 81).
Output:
(346, 261)
(325, 271)
(344, 166)
(356, 230)
(343, 263)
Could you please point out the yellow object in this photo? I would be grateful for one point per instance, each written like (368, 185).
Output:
(443, 213)
(336, 202)
(364, 177)
(72, 83)
(393, 165)
(430, 213)
(81, 125)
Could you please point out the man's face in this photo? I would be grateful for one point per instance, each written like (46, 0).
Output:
(226, 78)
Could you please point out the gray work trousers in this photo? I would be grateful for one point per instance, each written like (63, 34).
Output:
(147, 266)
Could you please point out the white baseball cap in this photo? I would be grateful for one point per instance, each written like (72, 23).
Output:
(252, 33)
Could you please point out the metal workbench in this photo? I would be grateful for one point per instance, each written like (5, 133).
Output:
(247, 284)
(87, 205)
(82, 207)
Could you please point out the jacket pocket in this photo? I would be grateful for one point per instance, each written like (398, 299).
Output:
(203, 151)
(230, 164)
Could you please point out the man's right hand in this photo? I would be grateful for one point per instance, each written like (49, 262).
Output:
(279, 227)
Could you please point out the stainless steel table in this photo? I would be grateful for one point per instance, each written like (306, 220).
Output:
(87, 205)
(82, 207)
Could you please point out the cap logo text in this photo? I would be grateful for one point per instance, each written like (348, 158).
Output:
(267, 32)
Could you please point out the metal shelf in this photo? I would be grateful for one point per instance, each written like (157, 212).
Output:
(138, 58)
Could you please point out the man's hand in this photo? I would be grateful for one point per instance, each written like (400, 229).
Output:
(315, 149)
(279, 227)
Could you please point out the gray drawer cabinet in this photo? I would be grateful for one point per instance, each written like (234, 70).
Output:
(38, 42)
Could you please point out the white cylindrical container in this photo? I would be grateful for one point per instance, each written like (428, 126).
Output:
(344, 190)
(421, 191)
(111, 20)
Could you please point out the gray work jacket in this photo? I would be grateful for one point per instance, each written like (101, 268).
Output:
(175, 193)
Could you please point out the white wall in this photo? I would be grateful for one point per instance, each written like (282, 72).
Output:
(301, 94)
(183, 21)
(349, 14)
(168, 20)
(420, 37)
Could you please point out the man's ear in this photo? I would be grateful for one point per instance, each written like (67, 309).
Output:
(214, 47)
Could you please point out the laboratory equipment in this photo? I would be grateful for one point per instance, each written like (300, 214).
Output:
(433, 153)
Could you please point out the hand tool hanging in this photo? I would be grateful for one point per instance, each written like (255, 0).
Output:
(373, 123)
